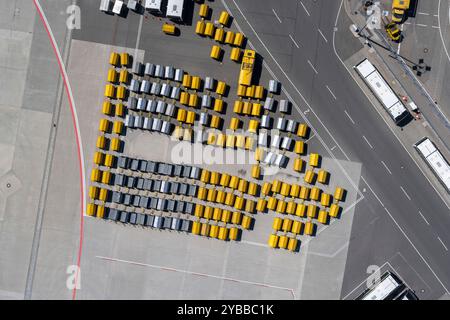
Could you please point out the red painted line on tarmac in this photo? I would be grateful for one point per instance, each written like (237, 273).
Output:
(76, 129)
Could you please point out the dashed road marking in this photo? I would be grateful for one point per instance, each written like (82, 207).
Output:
(331, 92)
(306, 10)
(345, 111)
(276, 15)
(443, 244)
(364, 137)
(296, 44)
(323, 36)
(384, 164)
(313, 67)
(406, 194)
(423, 217)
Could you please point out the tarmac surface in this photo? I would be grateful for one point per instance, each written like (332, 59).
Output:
(396, 221)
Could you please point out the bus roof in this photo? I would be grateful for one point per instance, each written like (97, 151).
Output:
(436, 160)
(175, 8)
(383, 289)
(381, 89)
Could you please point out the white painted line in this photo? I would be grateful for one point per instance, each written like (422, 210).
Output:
(322, 35)
(312, 67)
(435, 27)
(364, 137)
(384, 164)
(376, 196)
(423, 13)
(296, 44)
(276, 15)
(332, 148)
(406, 194)
(423, 217)
(331, 92)
(345, 111)
(443, 244)
(421, 25)
(192, 273)
(138, 39)
(306, 10)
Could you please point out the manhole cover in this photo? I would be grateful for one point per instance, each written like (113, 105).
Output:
(8, 185)
(425, 50)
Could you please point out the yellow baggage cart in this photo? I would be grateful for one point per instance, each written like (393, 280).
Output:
(196, 83)
(285, 189)
(215, 122)
(259, 92)
(169, 28)
(272, 203)
(225, 180)
(234, 124)
(203, 11)
(121, 92)
(224, 18)
(101, 142)
(208, 213)
(100, 212)
(238, 106)
(253, 126)
(202, 193)
(200, 28)
(243, 185)
(221, 140)
(226, 216)
(309, 228)
(109, 91)
(114, 59)
(339, 194)
(304, 193)
(266, 188)
(282, 242)
(299, 147)
(212, 193)
(196, 226)
(190, 117)
(287, 225)
(229, 37)
(209, 29)
(219, 35)
(236, 217)
(221, 88)
(291, 206)
(249, 143)
(221, 196)
(117, 127)
(234, 233)
(198, 211)
(204, 177)
(261, 205)
(116, 144)
(214, 231)
(309, 176)
(292, 244)
(91, 208)
(325, 199)
(112, 75)
(295, 191)
(106, 177)
(181, 115)
(249, 206)
(277, 223)
(281, 207)
(241, 91)
(119, 110)
(218, 105)
(334, 210)
(103, 195)
(296, 227)
(302, 130)
(312, 211)
(98, 158)
(252, 188)
(124, 59)
(216, 52)
(235, 54)
(104, 125)
(323, 217)
(238, 40)
(187, 81)
(239, 203)
(193, 100)
(93, 192)
(276, 186)
(109, 160)
(247, 108)
(246, 222)
(315, 193)
(314, 159)
(322, 176)
(223, 233)
(273, 241)
(204, 231)
(231, 141)
(124, 76)
(256, 171)
(300, 211)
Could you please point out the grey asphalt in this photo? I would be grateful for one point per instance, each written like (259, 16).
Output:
(380, 242)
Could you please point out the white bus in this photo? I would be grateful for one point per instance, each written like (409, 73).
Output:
(175, 9)
(387, 288)
(435, 160)
(381, 89)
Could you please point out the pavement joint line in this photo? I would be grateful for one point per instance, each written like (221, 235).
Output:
(313, 67)
(406, 194)
(302, 97)
(331, 92)
(141, 264)
(304, 8)
(295, 42)
(443, 244)
(423, 217)
(367, 141)
(381, 116)
(323, 36)
(348, 115)
(276, 15)
(384, 164)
